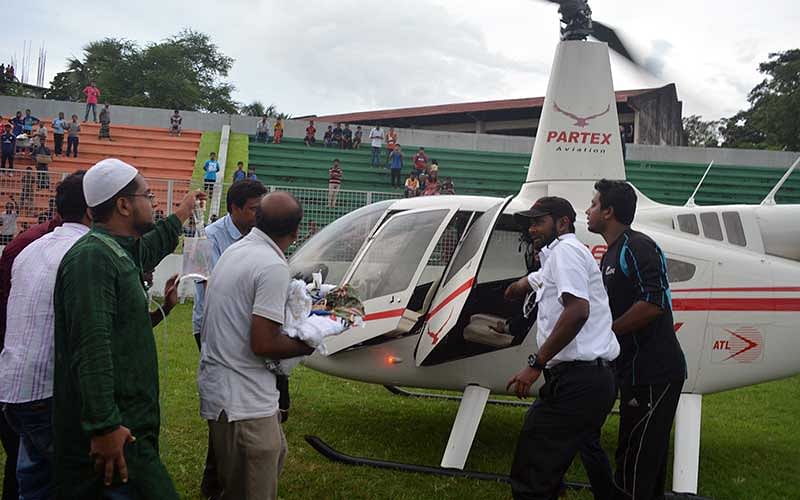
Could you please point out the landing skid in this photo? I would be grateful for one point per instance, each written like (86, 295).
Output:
(334, 455)
(414, 394)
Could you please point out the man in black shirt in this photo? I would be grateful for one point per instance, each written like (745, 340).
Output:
(651, 368)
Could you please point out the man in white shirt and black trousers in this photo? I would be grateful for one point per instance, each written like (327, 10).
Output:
(576, 346)
(651, 368)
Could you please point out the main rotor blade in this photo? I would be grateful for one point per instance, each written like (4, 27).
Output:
(608, 35)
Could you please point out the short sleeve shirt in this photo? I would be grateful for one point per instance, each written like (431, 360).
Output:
(251, 278)
(570, 268)
(376, 138)
(634, 269)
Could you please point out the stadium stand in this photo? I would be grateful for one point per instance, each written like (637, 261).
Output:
(162, 159)
(292, 164)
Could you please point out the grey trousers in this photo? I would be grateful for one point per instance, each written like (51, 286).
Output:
(249, 455)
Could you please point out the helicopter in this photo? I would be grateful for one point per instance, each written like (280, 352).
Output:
(431, 271)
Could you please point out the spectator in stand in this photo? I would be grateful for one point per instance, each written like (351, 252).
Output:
(26, 195)
(391, 142)
(432, 187)
(334, 182)
(92, 93)
(448, 187)
(175, 123)
(73, 134)
(396, 165)
(18, 124)
(412, 186)
(433, 169)
(357, 138)
(276, 139)
(423, 181)
(105, 123)
(240, 174)
(43, 157)
(421, 161)
(311, 133)
(8, 142)
(251, 173)
(327, 140)
(41, 132)
(347, 137)
(376, 141)
(337, 136)
(262, 130)
(8, 223)
(28, 121)
(211, 167)
(59, 124)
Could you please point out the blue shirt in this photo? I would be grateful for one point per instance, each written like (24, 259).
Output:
(239, 175)
(211, 167)
(222, 233)
(397, 160)
(8, 141)
(27, 122)
(58, 126)
(18, 124)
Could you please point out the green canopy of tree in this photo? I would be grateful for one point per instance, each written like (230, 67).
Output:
(186, 72)
(699, 133)
(772, 121)
(257, 108)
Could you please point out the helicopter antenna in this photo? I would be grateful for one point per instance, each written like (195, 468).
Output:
(690, 201)
(770, 199)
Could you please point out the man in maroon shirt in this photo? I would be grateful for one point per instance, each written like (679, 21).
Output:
(9, 438)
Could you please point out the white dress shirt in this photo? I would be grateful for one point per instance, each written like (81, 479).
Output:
(568, 267)
(26, 363)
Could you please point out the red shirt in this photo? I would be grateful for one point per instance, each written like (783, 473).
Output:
(310, 131)
(335, 174)
(10, 253)
(420, 161)
(92, 93)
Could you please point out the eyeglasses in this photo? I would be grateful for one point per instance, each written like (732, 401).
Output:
(150, 196)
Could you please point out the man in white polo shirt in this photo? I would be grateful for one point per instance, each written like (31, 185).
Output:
(244, 310)
(576, 345)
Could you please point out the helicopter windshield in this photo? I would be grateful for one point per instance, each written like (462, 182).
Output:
(333, 249)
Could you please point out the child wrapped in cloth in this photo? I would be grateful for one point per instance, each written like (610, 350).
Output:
(312, 314)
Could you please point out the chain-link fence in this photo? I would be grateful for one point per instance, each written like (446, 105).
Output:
(28, 198)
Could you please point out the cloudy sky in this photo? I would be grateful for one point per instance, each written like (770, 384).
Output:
(322, 57)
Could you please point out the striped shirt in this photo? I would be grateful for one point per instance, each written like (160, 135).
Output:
(26, 363)
(335, 175)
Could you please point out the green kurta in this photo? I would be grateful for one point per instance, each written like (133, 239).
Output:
(106, 365)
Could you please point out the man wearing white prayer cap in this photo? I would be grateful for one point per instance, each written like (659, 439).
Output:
(106, 414)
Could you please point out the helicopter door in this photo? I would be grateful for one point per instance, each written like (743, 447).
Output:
(458, 283)
(388, 269)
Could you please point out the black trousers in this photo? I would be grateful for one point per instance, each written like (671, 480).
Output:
(598, 468)
(10, 441)
(72, 146)
(7, 157)
(59, 143)
(646, 413)
(395, 177)
(575, 400)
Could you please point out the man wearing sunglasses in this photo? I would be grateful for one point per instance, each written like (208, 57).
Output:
(106, 410)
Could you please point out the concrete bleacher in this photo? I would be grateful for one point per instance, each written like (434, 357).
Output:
(161, 158)
(292, 164)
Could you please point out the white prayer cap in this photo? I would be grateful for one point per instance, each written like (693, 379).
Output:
(105, 179)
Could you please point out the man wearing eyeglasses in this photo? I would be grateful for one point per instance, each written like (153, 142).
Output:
(106, 414)
(576, 345)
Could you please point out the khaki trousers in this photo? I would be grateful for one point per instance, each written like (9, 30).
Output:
(250, 455)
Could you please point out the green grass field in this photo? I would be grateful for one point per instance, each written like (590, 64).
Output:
(749, 446)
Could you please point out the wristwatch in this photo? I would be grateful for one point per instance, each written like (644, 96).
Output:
(533, 362)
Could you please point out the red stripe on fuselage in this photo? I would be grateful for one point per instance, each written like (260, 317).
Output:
(751, 289)
(458, 291)
(384, 314)
(736, 304)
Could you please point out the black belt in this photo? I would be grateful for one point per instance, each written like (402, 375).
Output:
(567, 365)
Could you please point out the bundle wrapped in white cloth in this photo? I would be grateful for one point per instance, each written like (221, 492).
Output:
(299, 323)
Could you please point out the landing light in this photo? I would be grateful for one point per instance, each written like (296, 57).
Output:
(393, 360)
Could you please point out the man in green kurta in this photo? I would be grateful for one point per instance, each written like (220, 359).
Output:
(106, 413)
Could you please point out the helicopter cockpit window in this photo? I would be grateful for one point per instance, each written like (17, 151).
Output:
(687, 223)
(734, 229)
(472, 242)
(678, 270)
(711, 226)
(392, 259)
(333, 249)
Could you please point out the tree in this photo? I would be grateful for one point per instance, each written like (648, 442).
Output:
(701, 133)
(771, 121)
(257, 108)
(184, 72)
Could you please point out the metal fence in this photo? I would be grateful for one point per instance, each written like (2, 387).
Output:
(28, 197)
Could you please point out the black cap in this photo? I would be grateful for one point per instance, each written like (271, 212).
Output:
(547, 205)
